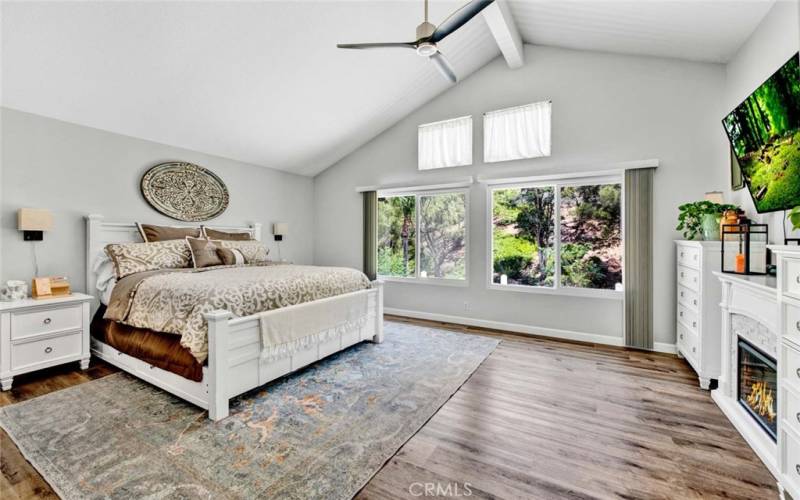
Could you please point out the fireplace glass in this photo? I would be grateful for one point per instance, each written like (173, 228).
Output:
(758, 386)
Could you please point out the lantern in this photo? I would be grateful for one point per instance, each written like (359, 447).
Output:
(744, 248)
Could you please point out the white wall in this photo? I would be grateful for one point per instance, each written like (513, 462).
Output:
(75, 170)
(606, 108)
(773, 42)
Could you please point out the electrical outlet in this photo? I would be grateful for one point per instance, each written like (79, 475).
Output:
(466, 306)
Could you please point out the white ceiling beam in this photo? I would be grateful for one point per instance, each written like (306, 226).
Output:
(501, 23)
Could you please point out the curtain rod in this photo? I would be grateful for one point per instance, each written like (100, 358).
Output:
(445, 121)
(611, 169)
(456, 183)
(515, 107)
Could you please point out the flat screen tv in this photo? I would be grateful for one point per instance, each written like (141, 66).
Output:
(764, 131)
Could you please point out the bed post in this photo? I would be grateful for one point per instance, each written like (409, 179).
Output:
(217, 363)
(378, 337)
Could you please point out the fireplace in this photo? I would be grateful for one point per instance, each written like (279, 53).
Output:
(758, 386)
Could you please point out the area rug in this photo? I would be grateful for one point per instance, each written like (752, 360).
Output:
(320, 433)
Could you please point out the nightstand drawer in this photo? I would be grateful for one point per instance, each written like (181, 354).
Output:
(58, 319)
(689, 256)
(43, 351)
(689, 278)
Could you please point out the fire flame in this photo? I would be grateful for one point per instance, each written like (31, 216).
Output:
(762, 400)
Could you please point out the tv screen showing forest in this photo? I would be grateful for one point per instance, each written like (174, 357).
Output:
(765, 133)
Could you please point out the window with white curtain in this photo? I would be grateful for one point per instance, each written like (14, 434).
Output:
(446, 143)
(517, 133)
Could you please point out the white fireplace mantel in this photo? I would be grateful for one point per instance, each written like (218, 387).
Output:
(746, 298)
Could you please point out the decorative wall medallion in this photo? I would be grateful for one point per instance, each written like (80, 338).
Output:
(185, 191)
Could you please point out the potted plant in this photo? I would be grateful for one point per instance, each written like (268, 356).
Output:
(701, 218)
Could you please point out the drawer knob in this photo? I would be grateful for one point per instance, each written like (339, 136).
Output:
(798, 416)
(694, 256)
(681, 254)
(47, 321)
(682, 274)
(797, 279)
(680, 314)
(694, 324)
(694, 302)
(48, 350)
(797, 468)
(681, 336)
(681, 293)
(798, 373)
(797, 325)
(694, 349)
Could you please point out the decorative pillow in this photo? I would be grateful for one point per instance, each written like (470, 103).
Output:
(152, 233)
(132, 258)
(254, 251)
(204, 252)
(213, 234)
(230, 256)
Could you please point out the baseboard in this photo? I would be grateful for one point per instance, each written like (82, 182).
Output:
(593, 338)
(665, 347)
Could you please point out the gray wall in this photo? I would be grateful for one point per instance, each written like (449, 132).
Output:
(767, 49)
(606, 108)
(75, 170)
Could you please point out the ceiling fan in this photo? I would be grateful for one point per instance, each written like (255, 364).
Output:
(429, 35)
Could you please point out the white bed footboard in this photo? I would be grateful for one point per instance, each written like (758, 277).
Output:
(234, 350)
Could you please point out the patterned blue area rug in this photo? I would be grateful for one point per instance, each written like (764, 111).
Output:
(320, 433)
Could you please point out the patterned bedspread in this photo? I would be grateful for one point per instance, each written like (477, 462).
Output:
(174, 301)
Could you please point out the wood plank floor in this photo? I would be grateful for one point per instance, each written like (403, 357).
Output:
(539, 419)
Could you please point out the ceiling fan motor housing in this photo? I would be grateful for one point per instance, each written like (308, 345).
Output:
(425, 30)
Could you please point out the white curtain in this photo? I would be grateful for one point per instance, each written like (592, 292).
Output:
(516, 133)
(445, 144)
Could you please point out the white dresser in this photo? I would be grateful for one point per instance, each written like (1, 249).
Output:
(788, 260)
(38, 333)
(698, 313)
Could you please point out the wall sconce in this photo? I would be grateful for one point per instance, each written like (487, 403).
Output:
(33, 222)
(279, 229)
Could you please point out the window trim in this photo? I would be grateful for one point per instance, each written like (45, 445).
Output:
(556, 184)
(416, 279)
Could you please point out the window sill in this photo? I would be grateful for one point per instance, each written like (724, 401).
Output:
(425, 281)
(565, 291)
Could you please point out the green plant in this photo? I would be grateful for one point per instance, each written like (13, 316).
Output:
(794, 217)
(690, 216)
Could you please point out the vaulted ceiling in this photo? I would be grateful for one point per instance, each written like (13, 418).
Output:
(264, 83)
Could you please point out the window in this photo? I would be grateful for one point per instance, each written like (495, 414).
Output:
(445, 144)
(423, 235)
(517, 133)
(560, 235)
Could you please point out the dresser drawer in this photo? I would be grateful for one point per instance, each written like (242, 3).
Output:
(688, 297)
(791, 277)
(36, 352)
(688, 317)
(27, 323)
(689, 257)
(791, 454)
(687, 341)
(789, 366)
(689, 278)
(791, 321)
(791, 409)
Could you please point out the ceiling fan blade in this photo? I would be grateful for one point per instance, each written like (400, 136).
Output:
(387, 45)
(444, 67)
(458, 19)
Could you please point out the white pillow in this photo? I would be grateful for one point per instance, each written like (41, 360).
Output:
(106, 276)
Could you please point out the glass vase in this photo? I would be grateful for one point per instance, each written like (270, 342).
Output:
(710, 227)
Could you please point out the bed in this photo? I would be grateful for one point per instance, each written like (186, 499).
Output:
(235, 362)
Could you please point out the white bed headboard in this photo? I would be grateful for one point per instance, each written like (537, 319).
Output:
(100, 233)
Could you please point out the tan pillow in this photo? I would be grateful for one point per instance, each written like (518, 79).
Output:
(204, 252)
(213, 234)
(152, 233)
(230, 256)
(130, 258)
(254, 252)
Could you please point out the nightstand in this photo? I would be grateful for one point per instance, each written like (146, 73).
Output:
(38, 333)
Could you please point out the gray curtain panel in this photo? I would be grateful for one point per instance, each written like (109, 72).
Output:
(371, 234)
(638, 258)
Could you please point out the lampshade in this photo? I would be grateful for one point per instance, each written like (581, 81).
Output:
(715, 197)
(280, 228)
(34, 219)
